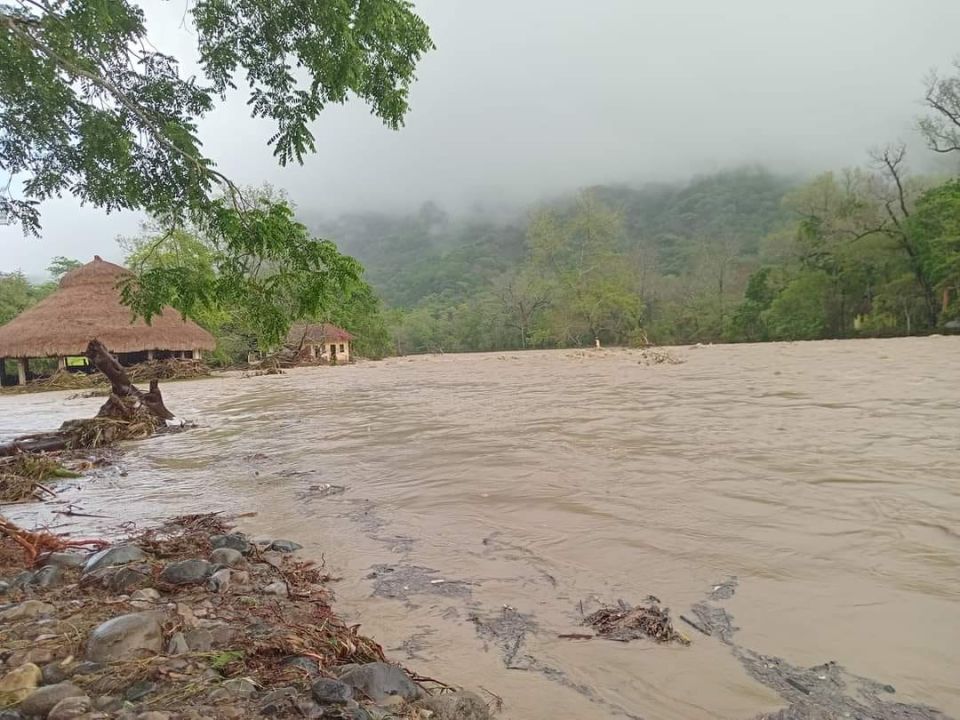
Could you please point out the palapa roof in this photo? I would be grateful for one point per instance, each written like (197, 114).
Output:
(87, 306)
(309, 333)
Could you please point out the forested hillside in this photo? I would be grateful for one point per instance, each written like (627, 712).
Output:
(743, 255)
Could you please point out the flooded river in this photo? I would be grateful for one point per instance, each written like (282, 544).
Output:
(824, 476)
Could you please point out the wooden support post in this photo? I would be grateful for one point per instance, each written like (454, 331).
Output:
(23, 367)
(61, 363)
(149, 354)
(197, 355)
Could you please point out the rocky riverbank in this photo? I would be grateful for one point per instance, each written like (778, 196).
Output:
(189, 621)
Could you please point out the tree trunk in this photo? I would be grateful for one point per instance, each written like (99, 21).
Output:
(126, 403)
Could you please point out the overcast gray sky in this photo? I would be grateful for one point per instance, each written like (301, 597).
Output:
(524, 98)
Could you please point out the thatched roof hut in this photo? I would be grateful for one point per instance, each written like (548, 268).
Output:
(87, 306)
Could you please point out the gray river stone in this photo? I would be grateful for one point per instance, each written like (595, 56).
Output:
(66, 559)
(331, 692)
(379, 681)
(285, 546)
(43, 700)
(116, 555)
(235, 541)
(463, 705)
(227, 557)
(186, 572)
(126, 637)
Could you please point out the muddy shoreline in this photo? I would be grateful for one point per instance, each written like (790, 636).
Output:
(190, 620)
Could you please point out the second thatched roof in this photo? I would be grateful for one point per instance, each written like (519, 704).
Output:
(87, 306)
(312, 333)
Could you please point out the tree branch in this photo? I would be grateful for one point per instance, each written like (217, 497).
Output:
(121, 97)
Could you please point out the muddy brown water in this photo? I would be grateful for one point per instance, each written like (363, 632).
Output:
(824, 476)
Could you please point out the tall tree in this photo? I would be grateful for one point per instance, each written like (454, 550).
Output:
(522, 297)
(578, 253)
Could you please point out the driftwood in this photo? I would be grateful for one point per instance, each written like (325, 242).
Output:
(129, 412)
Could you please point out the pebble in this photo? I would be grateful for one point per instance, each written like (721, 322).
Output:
(462, 705)
(240, 687)
(116, 555)
(125, 637)
(222, 634)
(19, 683)
(108, 703)
(228, 557)
(219, 582)
(139, 690)
(177, 644)
(35, 655)
(56, 672)
(147, 595)
(276, 588)
(43, 700)
(272, 558)
(65, 559)
(47, 576)
(307, 664)
(275, 702)
(187, 616)
(27, 610)
(71, 708)
(153, 715)
(331, 692)
(21, 580)
(199, 639)
(186, 572)
(125, 579)
(307, 708)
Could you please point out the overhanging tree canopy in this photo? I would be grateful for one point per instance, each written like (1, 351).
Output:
(89, 106)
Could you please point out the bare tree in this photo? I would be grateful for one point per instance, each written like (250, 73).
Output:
(522, 299)
(942, 127)
(897, 201)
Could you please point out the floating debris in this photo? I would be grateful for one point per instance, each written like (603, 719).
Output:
(508, 629)
(656, 356)
(22, 476)
(625, 623)
(401, 581)
(724, 590)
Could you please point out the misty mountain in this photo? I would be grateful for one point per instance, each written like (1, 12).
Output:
(409, 258)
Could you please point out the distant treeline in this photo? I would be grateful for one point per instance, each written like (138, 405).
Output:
(738, 256)
(744, 255)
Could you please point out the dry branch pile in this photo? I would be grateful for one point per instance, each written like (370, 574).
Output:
(625, 623)
(23, 476)
(128, 414)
